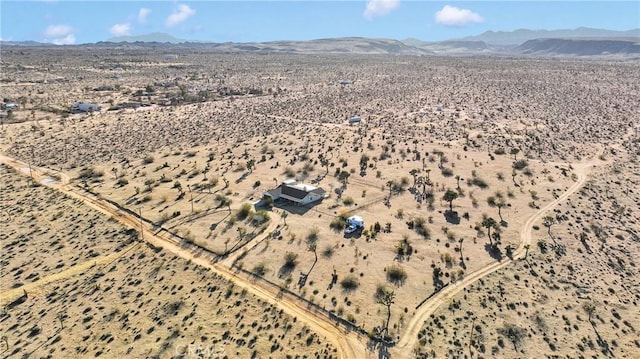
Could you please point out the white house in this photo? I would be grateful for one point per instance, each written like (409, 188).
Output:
(297, 193)
(355, 119)
(85, 107)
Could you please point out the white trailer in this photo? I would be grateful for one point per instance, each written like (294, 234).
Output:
(354, 223)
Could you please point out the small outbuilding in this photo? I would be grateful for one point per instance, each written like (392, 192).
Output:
(298, 193)
(85, 107)
(355, 119)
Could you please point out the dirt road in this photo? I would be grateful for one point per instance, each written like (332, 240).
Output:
(348, 344)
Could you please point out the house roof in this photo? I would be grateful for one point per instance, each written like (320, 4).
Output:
(294, 192)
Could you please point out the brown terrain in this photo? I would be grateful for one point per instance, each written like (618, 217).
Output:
(499, 196)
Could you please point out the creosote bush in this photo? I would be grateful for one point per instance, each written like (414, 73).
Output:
(396, 274)
(349, 283)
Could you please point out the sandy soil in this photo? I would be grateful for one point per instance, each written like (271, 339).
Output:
(513, 139)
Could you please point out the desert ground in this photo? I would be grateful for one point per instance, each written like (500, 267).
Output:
(499, 195)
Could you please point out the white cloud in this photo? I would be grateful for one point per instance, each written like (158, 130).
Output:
(58, 31)
(67, 40)
(182, 13)
(142, 15)
(453, 16)
(120, 29)
(379, 8)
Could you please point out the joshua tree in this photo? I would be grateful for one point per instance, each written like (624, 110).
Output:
(437, 273)
(549, 221)
(324, 161)
(509, 250)
(6, 341)
(284, 216)
(458, 178)
(241, 233)
(449, 196)
(460, 248)
(526, 251)
(115, 172)
(514, 333)
(390, 185)
(364, 159)
(414, 173)
(385, 296)
(489, 223)
(514, 152)
(61, 317)
(251, 164)
(500, 203)
(177, 185)
(590, 309)
(343, 177)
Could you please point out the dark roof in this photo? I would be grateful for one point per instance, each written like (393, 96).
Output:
(293, 192)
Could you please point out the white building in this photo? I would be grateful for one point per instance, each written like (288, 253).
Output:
(297, 193)
(355, 119)
(85, 107)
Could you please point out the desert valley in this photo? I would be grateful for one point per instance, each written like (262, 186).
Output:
(199, 209)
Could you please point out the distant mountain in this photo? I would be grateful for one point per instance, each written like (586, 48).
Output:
(160, 37)
(581, 47)
(451, 46)
(22, 43)
(352, 45)
(520, 36)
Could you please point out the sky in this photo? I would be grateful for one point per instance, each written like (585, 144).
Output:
(75, 22)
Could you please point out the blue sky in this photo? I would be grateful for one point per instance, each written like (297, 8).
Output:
(68, 22)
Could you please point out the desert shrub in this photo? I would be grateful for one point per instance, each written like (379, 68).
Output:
(244, 211)
(447, 172)
(312, 237)
(420, 226)
(348, 201)
(499, 151)
(290, 260)
(349, 283)
(260, 269)
(289, 172)
(148, 159)
(122, 181)
(260, 217)
(327, 252)
(404, 248)
(338, 223)
(396, 274)
(88, 173)
(520, 164)
(477, 181)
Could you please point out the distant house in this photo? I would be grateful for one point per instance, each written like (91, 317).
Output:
(345, 82)
(85, 107)
(355, 119)
(297, 193)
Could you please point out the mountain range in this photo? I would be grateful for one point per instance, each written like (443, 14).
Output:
(576, 42)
